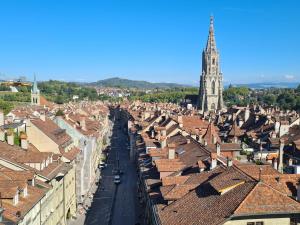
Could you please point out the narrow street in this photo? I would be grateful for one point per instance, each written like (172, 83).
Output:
(115, 204)
(125, 201)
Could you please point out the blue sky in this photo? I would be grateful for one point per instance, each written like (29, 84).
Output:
(258, 40)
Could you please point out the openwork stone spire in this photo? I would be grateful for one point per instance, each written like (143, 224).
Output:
(211, 82)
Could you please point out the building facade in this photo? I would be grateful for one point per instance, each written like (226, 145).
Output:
(211, 83)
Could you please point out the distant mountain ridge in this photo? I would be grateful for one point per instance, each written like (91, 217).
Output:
(126, 83)
(264, 85)
(140, 84)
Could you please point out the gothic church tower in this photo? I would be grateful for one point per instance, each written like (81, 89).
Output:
(35, 93)
(211, 84)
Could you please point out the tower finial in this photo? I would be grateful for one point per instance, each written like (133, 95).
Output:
(211, 28)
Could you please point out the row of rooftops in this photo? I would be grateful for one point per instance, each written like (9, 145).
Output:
(190, 164)
(27, 179)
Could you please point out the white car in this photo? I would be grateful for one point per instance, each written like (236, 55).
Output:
(117, 179)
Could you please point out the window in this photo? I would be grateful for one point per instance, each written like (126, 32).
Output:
(213, 61)
(213, 87)
(255, 223)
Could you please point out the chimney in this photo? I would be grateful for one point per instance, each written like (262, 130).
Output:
(213, 164)
(229, 162)
(256, 118)
(213, 161)
(235, 139)
(218, 149)
(25, 192)
(10, 137)
(163, 132)
(163, 142)
(171, 152)
(2, 135)
(241, 122)
(152, 134)
(180, 122)
(275, 164)
(280, 166)
(277, 126)
(298, 192)
(214, 139)
(200, 139)
(42, 116)
(24, 141)
(1, 118)
(290, 162)
(82, 123)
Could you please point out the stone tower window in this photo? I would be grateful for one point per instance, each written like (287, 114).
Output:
(213, 87)
(213, 61)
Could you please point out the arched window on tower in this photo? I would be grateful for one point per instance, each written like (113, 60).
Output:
(213, 61)
(213, 87)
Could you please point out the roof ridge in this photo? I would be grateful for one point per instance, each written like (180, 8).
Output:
(239, 206)
(244, 173)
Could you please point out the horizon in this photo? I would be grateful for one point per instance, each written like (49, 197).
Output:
(149, 41)
(225, 84)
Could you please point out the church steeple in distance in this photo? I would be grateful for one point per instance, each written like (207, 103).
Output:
(211, 82)
(35, 93)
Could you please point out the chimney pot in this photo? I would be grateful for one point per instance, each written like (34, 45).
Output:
(218, 149)
(213, 163)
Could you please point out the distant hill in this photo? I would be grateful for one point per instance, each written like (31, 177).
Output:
(126, 83)
(264, 85)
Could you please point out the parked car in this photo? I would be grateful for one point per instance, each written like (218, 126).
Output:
(117, 179)
(102, 165)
